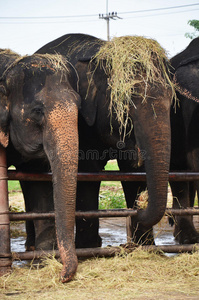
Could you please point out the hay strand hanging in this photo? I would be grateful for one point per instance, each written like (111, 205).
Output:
(125, 60)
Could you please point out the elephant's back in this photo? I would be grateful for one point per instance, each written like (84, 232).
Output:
(190, 54)
(74, 47)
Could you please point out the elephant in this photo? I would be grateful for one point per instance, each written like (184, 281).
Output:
(184, 137)
(40, 233)
(144, 144)
(39, 116)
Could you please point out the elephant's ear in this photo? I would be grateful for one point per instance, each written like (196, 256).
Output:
(4, 116)
(87, 90)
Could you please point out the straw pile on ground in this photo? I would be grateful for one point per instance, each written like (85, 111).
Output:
(129, 62)
(139, 275)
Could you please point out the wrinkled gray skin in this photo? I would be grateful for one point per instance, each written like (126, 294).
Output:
(185, 137)
(41, 123)
(150, 136)
(33, 191)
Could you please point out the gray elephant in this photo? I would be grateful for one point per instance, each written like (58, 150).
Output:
(34, 192)
(185, 137)
(143, 140)
(39, 112)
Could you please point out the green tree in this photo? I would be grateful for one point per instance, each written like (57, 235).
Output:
(195, 24)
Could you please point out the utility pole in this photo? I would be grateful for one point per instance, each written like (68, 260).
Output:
(107, 17)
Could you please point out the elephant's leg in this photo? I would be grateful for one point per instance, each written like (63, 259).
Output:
(184, 231)
(132, 189)
(30, 228)
(30, 232)
(87, 235)
(39, 198)
(140, 234)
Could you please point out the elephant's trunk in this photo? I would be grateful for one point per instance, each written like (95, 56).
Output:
(61, 142)
(157, 144)
(157, 169)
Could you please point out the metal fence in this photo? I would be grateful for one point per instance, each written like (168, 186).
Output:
(6, 257)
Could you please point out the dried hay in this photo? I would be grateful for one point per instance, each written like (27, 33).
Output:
(7, 57)
(54, 62)
(129, 62)
(142, 200)
(77, 48)
(183, 91)
(8, 52)
(139, 275)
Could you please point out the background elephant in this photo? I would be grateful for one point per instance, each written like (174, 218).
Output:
(185, 136)
(40, 110)
(101, 136)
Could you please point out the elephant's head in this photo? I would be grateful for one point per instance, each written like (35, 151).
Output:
(40, 117)
(7, 57)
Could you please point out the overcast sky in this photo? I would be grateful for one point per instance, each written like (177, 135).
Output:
(26, 25)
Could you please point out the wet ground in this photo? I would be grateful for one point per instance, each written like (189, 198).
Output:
(113, 232)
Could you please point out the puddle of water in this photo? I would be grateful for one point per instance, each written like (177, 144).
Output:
(18, 244)
(113, 232)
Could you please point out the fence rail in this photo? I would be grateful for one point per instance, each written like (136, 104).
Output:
(102, 176)
(6, 216)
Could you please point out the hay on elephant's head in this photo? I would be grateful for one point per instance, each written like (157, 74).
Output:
(7, 52)
(7, 56)
(54, 62)
(57, 62)
(131, 61)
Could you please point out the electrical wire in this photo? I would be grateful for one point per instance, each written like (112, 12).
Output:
(94, 15)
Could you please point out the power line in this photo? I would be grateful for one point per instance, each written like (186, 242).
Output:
(51, 17)
(158, 9)
(96, 15)
(161, 14)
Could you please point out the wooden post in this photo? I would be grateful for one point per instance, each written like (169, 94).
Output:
(5, 259)
(129, 229)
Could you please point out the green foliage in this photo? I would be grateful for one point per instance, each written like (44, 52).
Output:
(111, 165)
(111, 198)
(195, 25)
(111, 193)
(14, 186)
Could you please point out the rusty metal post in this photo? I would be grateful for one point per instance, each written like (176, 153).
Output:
(5, 259)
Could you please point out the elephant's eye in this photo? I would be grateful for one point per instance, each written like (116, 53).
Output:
(38, 110)
(37, 114)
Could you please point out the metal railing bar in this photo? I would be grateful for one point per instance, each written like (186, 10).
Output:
(102, 176)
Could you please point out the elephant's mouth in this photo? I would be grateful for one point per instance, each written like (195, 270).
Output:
(30, 151)
(139, 157)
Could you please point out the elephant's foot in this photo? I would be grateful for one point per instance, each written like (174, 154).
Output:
(30, 239)
(84, 240)
(87, 234)
(46, 245)
(185, 232)
(30, 243)
(87, 243)
(29, 247)
(142, 236)
(46, 240)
